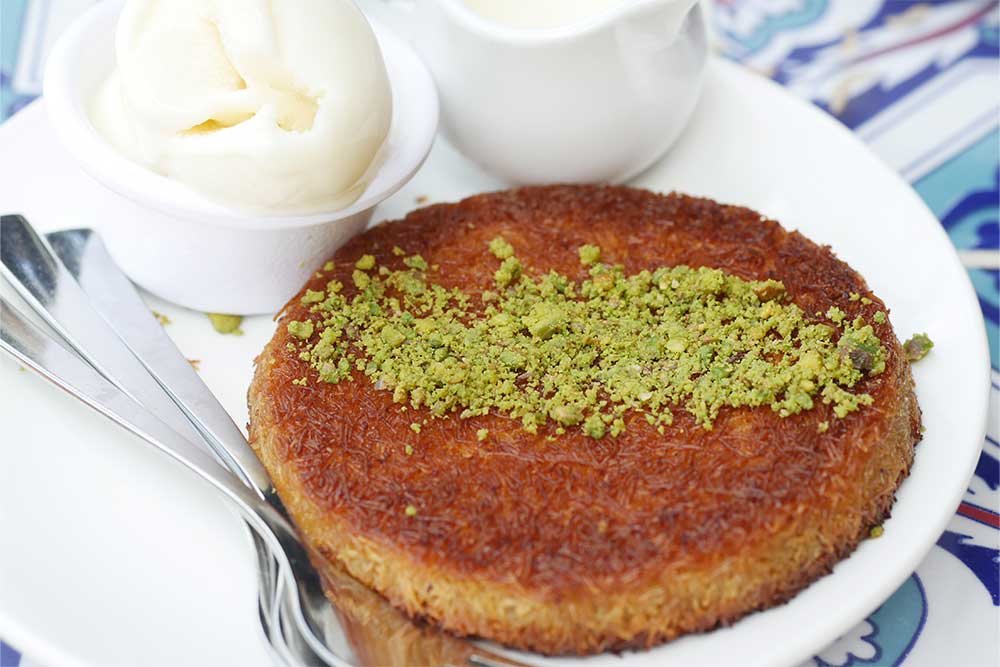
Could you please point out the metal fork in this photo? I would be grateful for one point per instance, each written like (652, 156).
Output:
(39, 351)
(49, 284)
(96, 310)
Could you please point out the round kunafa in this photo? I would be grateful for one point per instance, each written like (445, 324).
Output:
(574, 419)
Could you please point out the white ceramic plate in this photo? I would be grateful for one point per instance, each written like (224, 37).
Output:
(110, 555)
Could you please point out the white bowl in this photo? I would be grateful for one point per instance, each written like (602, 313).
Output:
(193, 251)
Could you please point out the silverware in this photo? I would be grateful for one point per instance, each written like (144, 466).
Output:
(113, 297)
(83, 291)
(43, 282)
(53, 288)
(37, 350)
(84, 258)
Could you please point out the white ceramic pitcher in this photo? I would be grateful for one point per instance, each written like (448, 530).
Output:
(599, 99)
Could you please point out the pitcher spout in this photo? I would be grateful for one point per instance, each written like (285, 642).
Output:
(665, 16)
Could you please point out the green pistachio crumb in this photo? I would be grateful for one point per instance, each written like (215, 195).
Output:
(823, 427)
(416, 262)
(769, 290)
(676, 345)
(365, 263)
(409, 450)
(876, 532)
(509, 271)
(589, 254)
(854, 296)
(329, 266)
(161, 318)
(312, 296)
(879, 317)
(482, 434)
(226, 324)
(500, 248)
(301, 330)
(511, 358)
(567, 414)
(544, 319)
(397, 251)
(361, 279)
(917, 347)
(866, 301)
(301, 382)
(415, 427)
(594, 426)
(392, 336)
(410, 510)
(862, 348)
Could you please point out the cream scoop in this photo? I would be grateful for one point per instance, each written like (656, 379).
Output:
(275, 106)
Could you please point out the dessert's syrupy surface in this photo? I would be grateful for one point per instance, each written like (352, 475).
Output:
(556, 513)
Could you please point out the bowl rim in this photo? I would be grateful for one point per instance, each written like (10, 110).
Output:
(557, 34)
(409, 141)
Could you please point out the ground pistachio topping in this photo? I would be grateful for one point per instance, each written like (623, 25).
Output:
(546, 349)
(589, 254)
(917, 347)
(226, 324)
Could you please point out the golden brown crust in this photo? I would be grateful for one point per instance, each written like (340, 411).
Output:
(582, 545)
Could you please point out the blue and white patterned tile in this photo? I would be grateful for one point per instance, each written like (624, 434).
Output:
(856, 59)
(28, 29)
(884, 638)
(963, 191)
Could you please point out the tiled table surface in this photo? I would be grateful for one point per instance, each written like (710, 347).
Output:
(920, 83)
